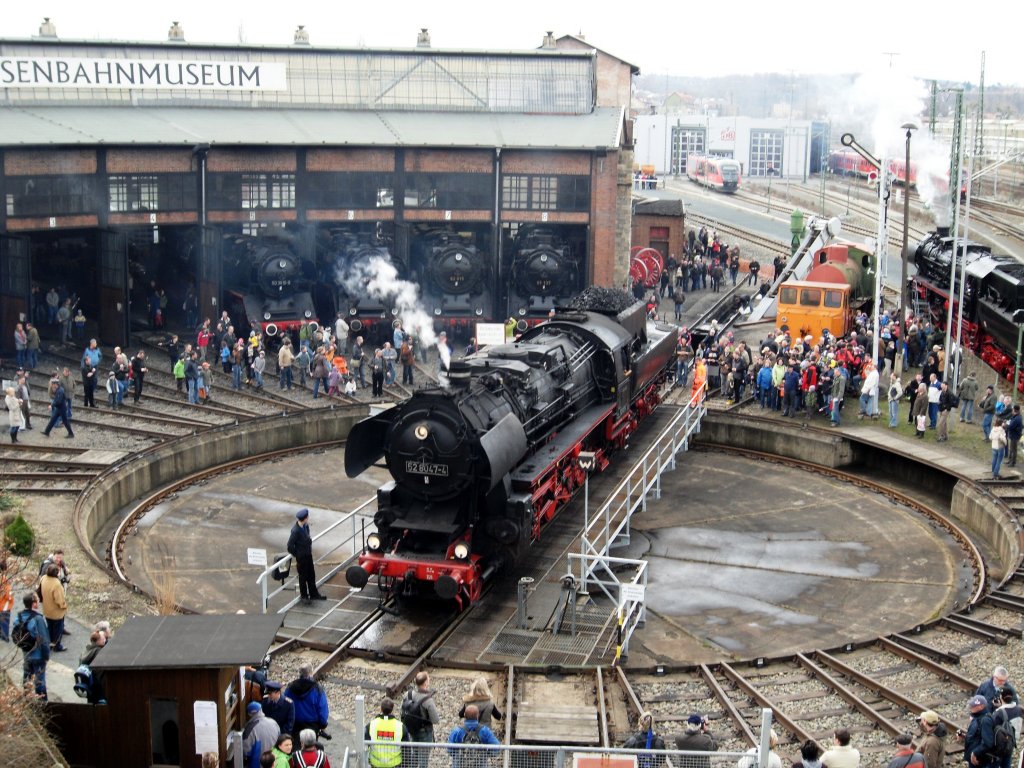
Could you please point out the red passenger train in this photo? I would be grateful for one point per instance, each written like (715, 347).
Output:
(721, 173)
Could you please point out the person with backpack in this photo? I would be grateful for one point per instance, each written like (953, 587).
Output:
(1007, 721)
(419, 716)
(471, 734)
(646, 738)
(980, 736)
(33, 638)
(310, 754)
(385, 734)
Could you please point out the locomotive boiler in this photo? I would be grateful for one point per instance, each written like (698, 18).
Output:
(544, 272)
(479, 469)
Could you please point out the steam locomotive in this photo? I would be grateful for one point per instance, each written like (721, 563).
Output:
(453, 273)
(544, 272)
(480, 468)
(993, 293)
(276, 285)
(363, 266)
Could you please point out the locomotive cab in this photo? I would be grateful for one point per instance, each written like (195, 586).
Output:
(814, 307)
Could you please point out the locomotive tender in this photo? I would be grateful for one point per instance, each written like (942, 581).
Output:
(993, 292)
(479, 469)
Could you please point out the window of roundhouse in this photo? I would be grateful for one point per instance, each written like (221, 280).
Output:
(50, 195)
(810, 297)
(543, 192)
(787, 295)
(450, 191)
(834, 299)
(344, 189)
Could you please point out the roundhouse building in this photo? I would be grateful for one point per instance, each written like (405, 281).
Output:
(197, 178)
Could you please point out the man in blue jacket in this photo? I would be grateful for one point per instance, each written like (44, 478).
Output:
(34, 665)
(1014, 430)
(311, 710)
(980, 736)
(471, 733)
(791, 391)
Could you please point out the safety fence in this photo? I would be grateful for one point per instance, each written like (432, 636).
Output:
(349, 527)
(609, 526)
(417, 755)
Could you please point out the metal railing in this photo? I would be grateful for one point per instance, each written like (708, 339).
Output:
(447, 755)
(350, 540)
(609, 526)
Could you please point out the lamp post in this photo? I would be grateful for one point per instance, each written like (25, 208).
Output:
(908, 127)
(587, 461)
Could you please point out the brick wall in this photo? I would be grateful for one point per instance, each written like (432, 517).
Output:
(603, 218)
(251, 160)
(429, 214)
(380, 160)
(133, 161)
(136, 219)
(376, 214)
(228, 217)
(44, 162)
(62, 222)
(446, 161)
(574, 163)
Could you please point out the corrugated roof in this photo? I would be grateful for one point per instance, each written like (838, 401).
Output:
(189, 641)
(48, 126)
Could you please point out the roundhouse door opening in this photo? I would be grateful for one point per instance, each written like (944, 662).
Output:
(114, 326)
(15, 285)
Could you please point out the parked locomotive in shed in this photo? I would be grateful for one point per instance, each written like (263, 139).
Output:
(453, 272)
(272, 285)
(480, 468)
(993, 293)
(361, 263)
(545, 272)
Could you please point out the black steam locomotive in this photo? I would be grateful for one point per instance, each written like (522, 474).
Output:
(480, 468)
(365, 270)
(454, 276)
(993, 293)
(544, 272)
(277, 285)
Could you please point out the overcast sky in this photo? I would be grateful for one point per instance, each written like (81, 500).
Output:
(686, 37)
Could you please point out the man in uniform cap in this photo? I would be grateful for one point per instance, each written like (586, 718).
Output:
(300, 546)
(278, 708)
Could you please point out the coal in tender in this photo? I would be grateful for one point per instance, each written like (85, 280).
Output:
(605, 300)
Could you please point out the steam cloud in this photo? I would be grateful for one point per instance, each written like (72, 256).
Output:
(376, 278)
(875, 107)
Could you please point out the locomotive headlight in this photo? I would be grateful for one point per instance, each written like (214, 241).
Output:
(373, 542)
(394, 311)
(522, 311)
(543, 258)
(437, 311)
(479, 311)
(458, 257)
(266, 315)
(282, 264)
(307, 314)
(461, 550)
(422, 432)
(352, 311)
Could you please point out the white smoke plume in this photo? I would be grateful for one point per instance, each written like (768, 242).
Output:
(376, 278)
(875, 108)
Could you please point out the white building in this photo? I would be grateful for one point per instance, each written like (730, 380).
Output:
(763, 146)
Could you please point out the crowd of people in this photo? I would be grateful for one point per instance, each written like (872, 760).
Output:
(39, 628)
(803, 376)
(988, 742)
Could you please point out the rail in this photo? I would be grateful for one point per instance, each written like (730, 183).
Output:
(351, 518)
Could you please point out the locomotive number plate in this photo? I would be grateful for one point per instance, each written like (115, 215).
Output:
(426, 468)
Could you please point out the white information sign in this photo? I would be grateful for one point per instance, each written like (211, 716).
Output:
(204, 715)
(490, 333)
(631, 592)
(257, 556)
